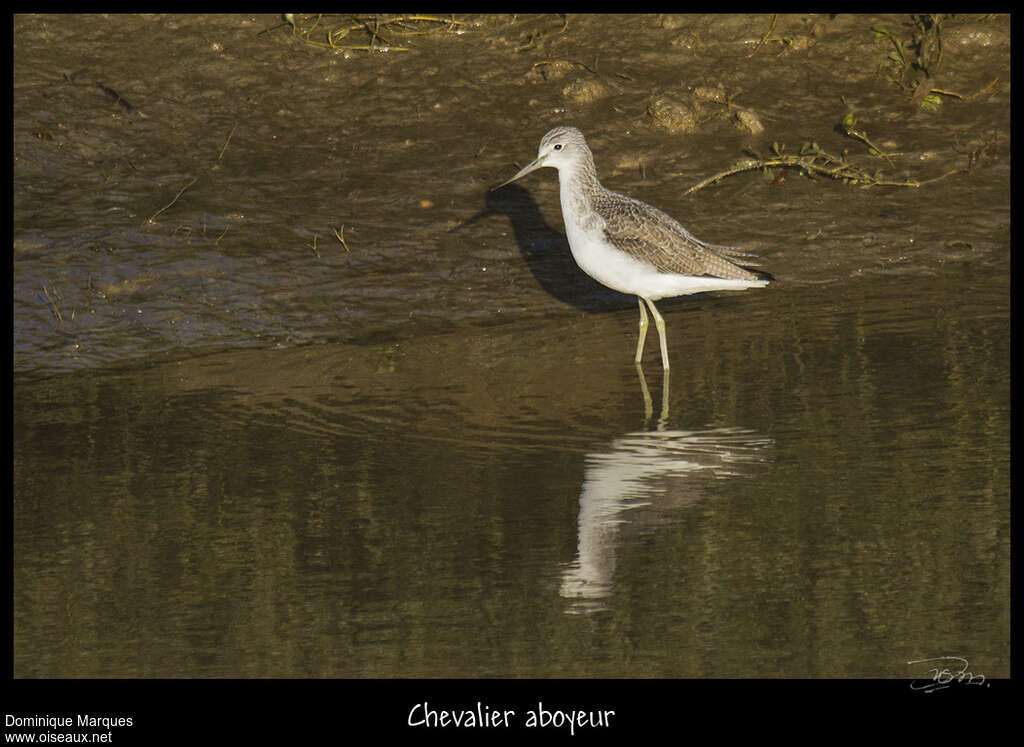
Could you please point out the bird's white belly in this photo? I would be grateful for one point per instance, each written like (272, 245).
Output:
(619, 271)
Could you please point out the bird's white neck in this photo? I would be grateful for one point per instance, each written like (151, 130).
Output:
(578, 185)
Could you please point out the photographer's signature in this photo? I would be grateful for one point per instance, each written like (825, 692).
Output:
(945, 672)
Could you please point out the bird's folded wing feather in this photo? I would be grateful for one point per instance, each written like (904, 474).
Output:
(658, 239)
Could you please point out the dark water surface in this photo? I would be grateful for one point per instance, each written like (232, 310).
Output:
(237, 454)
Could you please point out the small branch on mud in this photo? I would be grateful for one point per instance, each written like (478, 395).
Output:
(960, 96)
(53, 304)
(180, 193)
(914, 63)
(775, 19)
(340, 235)
(534, 37)
(848, 122)
(811, 161)
(373, 26)
(230, 135)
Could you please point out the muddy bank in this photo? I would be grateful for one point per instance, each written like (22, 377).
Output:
(187, 184)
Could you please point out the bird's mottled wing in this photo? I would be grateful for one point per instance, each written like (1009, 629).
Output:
(732, 253)
(658, 239)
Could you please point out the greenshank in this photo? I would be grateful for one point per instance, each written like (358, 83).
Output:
(628, 245)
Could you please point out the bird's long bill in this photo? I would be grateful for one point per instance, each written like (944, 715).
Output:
(537, 163)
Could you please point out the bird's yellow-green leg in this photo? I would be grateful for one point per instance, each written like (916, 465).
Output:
(660, 324)
(648, 403)
(643, 330)
(664, 401)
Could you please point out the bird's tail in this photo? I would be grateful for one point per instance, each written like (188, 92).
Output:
(739, 257)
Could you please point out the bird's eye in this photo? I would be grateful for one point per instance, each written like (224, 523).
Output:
(558, 146)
